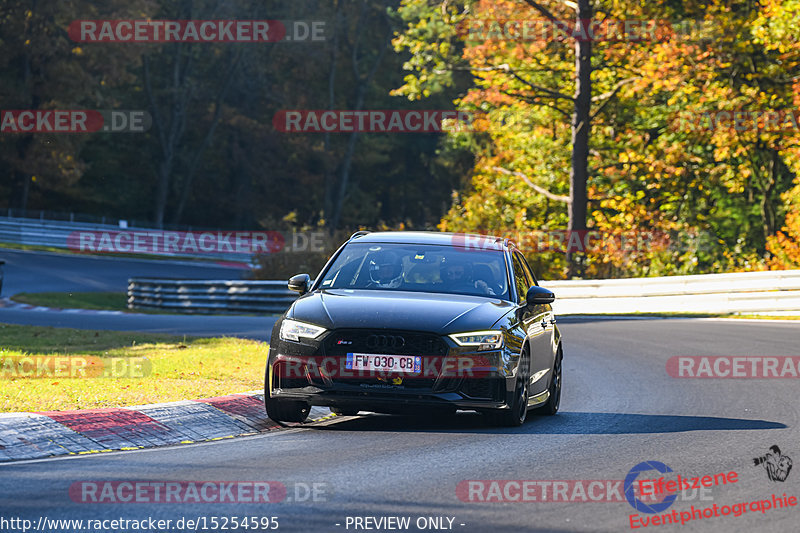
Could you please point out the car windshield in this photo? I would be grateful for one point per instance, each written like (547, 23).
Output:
(419, 268)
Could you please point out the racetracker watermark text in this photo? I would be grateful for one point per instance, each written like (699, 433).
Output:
(739, 120)
(733, 367)
(607, 29)
(371, 121)
(74, 121)
(558, 490)
(144, 492)
(196, 31)
(564, 241)
(195, 242)
(73, 366)
(391, 367)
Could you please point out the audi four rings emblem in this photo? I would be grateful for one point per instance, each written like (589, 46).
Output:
(385, 341)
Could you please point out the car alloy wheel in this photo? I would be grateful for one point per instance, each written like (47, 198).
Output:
(517, 412)
(522, 399)
(554, 400)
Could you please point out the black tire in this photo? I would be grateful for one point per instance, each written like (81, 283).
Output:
(286, 410)
(344, 412)
(552, 404)
(516, 415)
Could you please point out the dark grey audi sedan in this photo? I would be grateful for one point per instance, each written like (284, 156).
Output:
(398, 322)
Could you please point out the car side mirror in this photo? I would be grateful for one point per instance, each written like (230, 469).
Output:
(539, 296)
(300, 283)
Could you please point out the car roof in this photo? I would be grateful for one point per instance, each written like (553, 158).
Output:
(469, 240)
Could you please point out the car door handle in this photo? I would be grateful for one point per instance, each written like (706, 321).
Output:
(544, 324)
(552, 320)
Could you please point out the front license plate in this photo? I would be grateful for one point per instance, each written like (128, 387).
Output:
(384, 363)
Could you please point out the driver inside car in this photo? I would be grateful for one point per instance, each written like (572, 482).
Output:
(385, 270)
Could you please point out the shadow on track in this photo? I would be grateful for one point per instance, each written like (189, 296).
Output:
(571, 423)
(564, 423)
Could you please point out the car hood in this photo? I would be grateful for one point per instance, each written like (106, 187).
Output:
(399, 310)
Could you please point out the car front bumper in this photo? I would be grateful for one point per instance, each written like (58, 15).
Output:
(386, 402)
(483, 386)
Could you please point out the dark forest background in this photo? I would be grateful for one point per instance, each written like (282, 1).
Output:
(212, 159)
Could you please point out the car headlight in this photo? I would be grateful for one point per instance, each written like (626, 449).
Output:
(484, 340)
(292, 330)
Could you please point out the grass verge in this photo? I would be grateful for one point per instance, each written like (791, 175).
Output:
(175, 368)
(106, 301)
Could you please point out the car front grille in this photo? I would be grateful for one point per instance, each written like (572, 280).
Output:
(344, 341)
(426, 345)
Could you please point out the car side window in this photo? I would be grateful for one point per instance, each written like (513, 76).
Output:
(528, 271)
(520, 277)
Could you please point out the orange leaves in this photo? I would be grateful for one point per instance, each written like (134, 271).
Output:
(784, 246)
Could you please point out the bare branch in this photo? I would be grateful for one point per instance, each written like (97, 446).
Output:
(531, 100)
(535, 87)
(529, 183)
(543, 10)
(454, 68)
(609, 95)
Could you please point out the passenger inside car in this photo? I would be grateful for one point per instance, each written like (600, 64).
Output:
(458, 276)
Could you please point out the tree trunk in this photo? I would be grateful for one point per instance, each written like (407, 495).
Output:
(162, 191)
(25, 143)
(344, 178)
(203, 147)
(581, 126)
(768, 214)
(330, 173)
(169, 135)
(362, 85)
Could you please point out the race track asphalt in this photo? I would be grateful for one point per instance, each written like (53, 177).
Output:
(620, 407)
(27, 271)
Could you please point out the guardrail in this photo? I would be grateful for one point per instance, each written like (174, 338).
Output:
(210, 296)
(773, 292)
(58, 217)
(55, 234)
